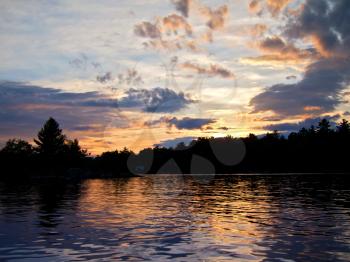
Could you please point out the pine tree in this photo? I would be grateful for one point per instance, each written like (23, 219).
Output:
(324, 127)
(51, 140)
(344, 127)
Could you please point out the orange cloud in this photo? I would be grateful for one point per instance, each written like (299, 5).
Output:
(173, 23)
(216, 18)
(277, 51)
(274, 7)
(312, 108)
(254, 6)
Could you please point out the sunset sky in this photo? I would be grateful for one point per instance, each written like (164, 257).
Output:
(134, 73)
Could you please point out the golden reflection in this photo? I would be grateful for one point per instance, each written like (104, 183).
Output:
(226, 213)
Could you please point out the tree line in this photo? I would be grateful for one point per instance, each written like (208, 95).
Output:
(319, 148)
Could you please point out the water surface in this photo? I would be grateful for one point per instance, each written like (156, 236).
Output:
(178, 218)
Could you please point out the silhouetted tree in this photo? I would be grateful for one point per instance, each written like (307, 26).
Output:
(74, 150)
(324, 127)
(344, 127)
(51, 140)
(16, 157)
(18, 147)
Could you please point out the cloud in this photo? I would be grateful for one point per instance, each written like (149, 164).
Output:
(325, 23)
(174, 32)
(183, 6)
(212, 70)
(277, 51)
(18, 93)
(273, 7)
(182, 123)
(173, 23)
(130, 77)
(155, 100)
(147, 29)
(254, 6)
(307, 123)
(320, 90)
(272, 44)
(24, 108)
(216, 17)
(104, 78)
(291, 77)
(171, 32)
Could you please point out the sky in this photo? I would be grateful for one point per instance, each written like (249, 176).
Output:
(138, 73)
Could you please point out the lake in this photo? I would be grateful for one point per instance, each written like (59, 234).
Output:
(178, 218)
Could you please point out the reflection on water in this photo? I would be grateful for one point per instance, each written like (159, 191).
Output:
(183, 218)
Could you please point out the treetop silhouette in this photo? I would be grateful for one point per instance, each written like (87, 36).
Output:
(50, 140)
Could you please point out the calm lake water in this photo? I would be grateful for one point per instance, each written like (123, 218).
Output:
(178, 218)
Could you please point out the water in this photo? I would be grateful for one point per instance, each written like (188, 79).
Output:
(178, 218)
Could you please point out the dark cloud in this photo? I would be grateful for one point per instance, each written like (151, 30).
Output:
(155, 100)
(183, 6)
(307, 123)
(147, 29)
(24, 108)
(273, 43)
(104, 78)
(326, 23)
(291, 77)
(320, 91)
(182, 123)
(17, 93)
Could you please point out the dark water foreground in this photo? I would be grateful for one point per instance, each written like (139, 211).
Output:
(179, 218)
